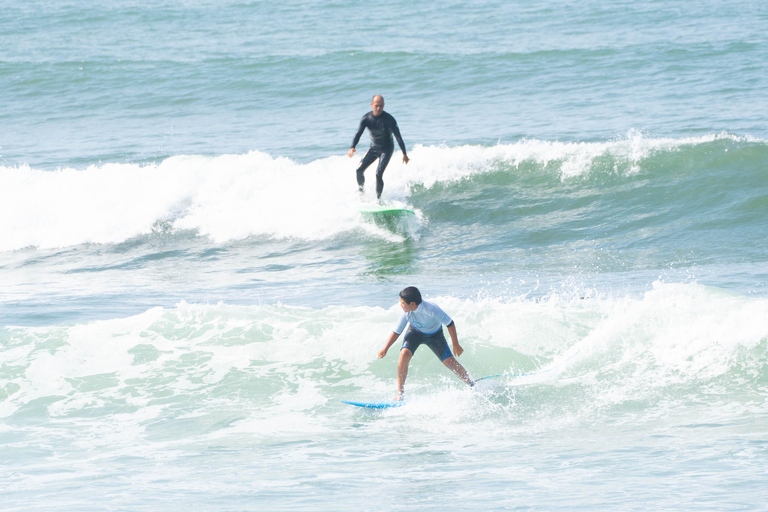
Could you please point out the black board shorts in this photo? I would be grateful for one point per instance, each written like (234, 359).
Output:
(435, 341)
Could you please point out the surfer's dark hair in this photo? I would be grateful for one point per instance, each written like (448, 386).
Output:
(411, 294)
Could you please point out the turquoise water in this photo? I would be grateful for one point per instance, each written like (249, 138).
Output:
(188, 288)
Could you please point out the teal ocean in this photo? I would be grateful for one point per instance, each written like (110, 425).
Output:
(188, 289)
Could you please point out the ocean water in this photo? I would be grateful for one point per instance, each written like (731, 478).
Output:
(188, 289)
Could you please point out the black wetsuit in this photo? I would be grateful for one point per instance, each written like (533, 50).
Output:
(381, 129)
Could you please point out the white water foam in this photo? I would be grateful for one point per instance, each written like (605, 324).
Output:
(677, 334)
(232, 197)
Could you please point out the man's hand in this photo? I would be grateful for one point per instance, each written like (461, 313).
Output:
(382, 353)
(457, 350)
(351, 152)
(405, 159)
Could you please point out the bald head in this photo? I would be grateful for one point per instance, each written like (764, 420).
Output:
(377, 104)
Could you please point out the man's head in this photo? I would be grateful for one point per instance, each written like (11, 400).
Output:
(377, 104)
(410, 298)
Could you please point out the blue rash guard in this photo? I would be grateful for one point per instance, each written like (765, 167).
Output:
(428, 318)
(426, 328)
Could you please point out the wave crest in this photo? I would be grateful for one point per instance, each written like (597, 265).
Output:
(232, 197)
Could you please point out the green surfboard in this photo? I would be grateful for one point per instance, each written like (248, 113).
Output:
(378, 211)
(397, 220)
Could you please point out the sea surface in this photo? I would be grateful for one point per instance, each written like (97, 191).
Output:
(188, 289)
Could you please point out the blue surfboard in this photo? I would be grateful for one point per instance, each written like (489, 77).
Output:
(376, 405)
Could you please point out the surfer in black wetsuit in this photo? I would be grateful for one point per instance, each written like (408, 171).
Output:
(381, 126)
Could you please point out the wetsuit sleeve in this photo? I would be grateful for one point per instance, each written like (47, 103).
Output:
(396, 131)
(359, 133)
(400, 326)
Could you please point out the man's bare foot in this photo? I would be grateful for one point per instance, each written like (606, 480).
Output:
(398, 397)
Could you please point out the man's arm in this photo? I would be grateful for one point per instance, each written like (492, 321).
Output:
(392, 339)
(457, 350)
(399, 138)
(356, 139)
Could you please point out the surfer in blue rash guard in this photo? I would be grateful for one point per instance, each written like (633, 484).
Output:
(381, 126)
(426, 321)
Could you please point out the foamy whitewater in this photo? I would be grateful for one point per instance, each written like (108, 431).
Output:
(188, 289)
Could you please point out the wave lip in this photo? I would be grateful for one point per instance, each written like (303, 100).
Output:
(232, 197)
